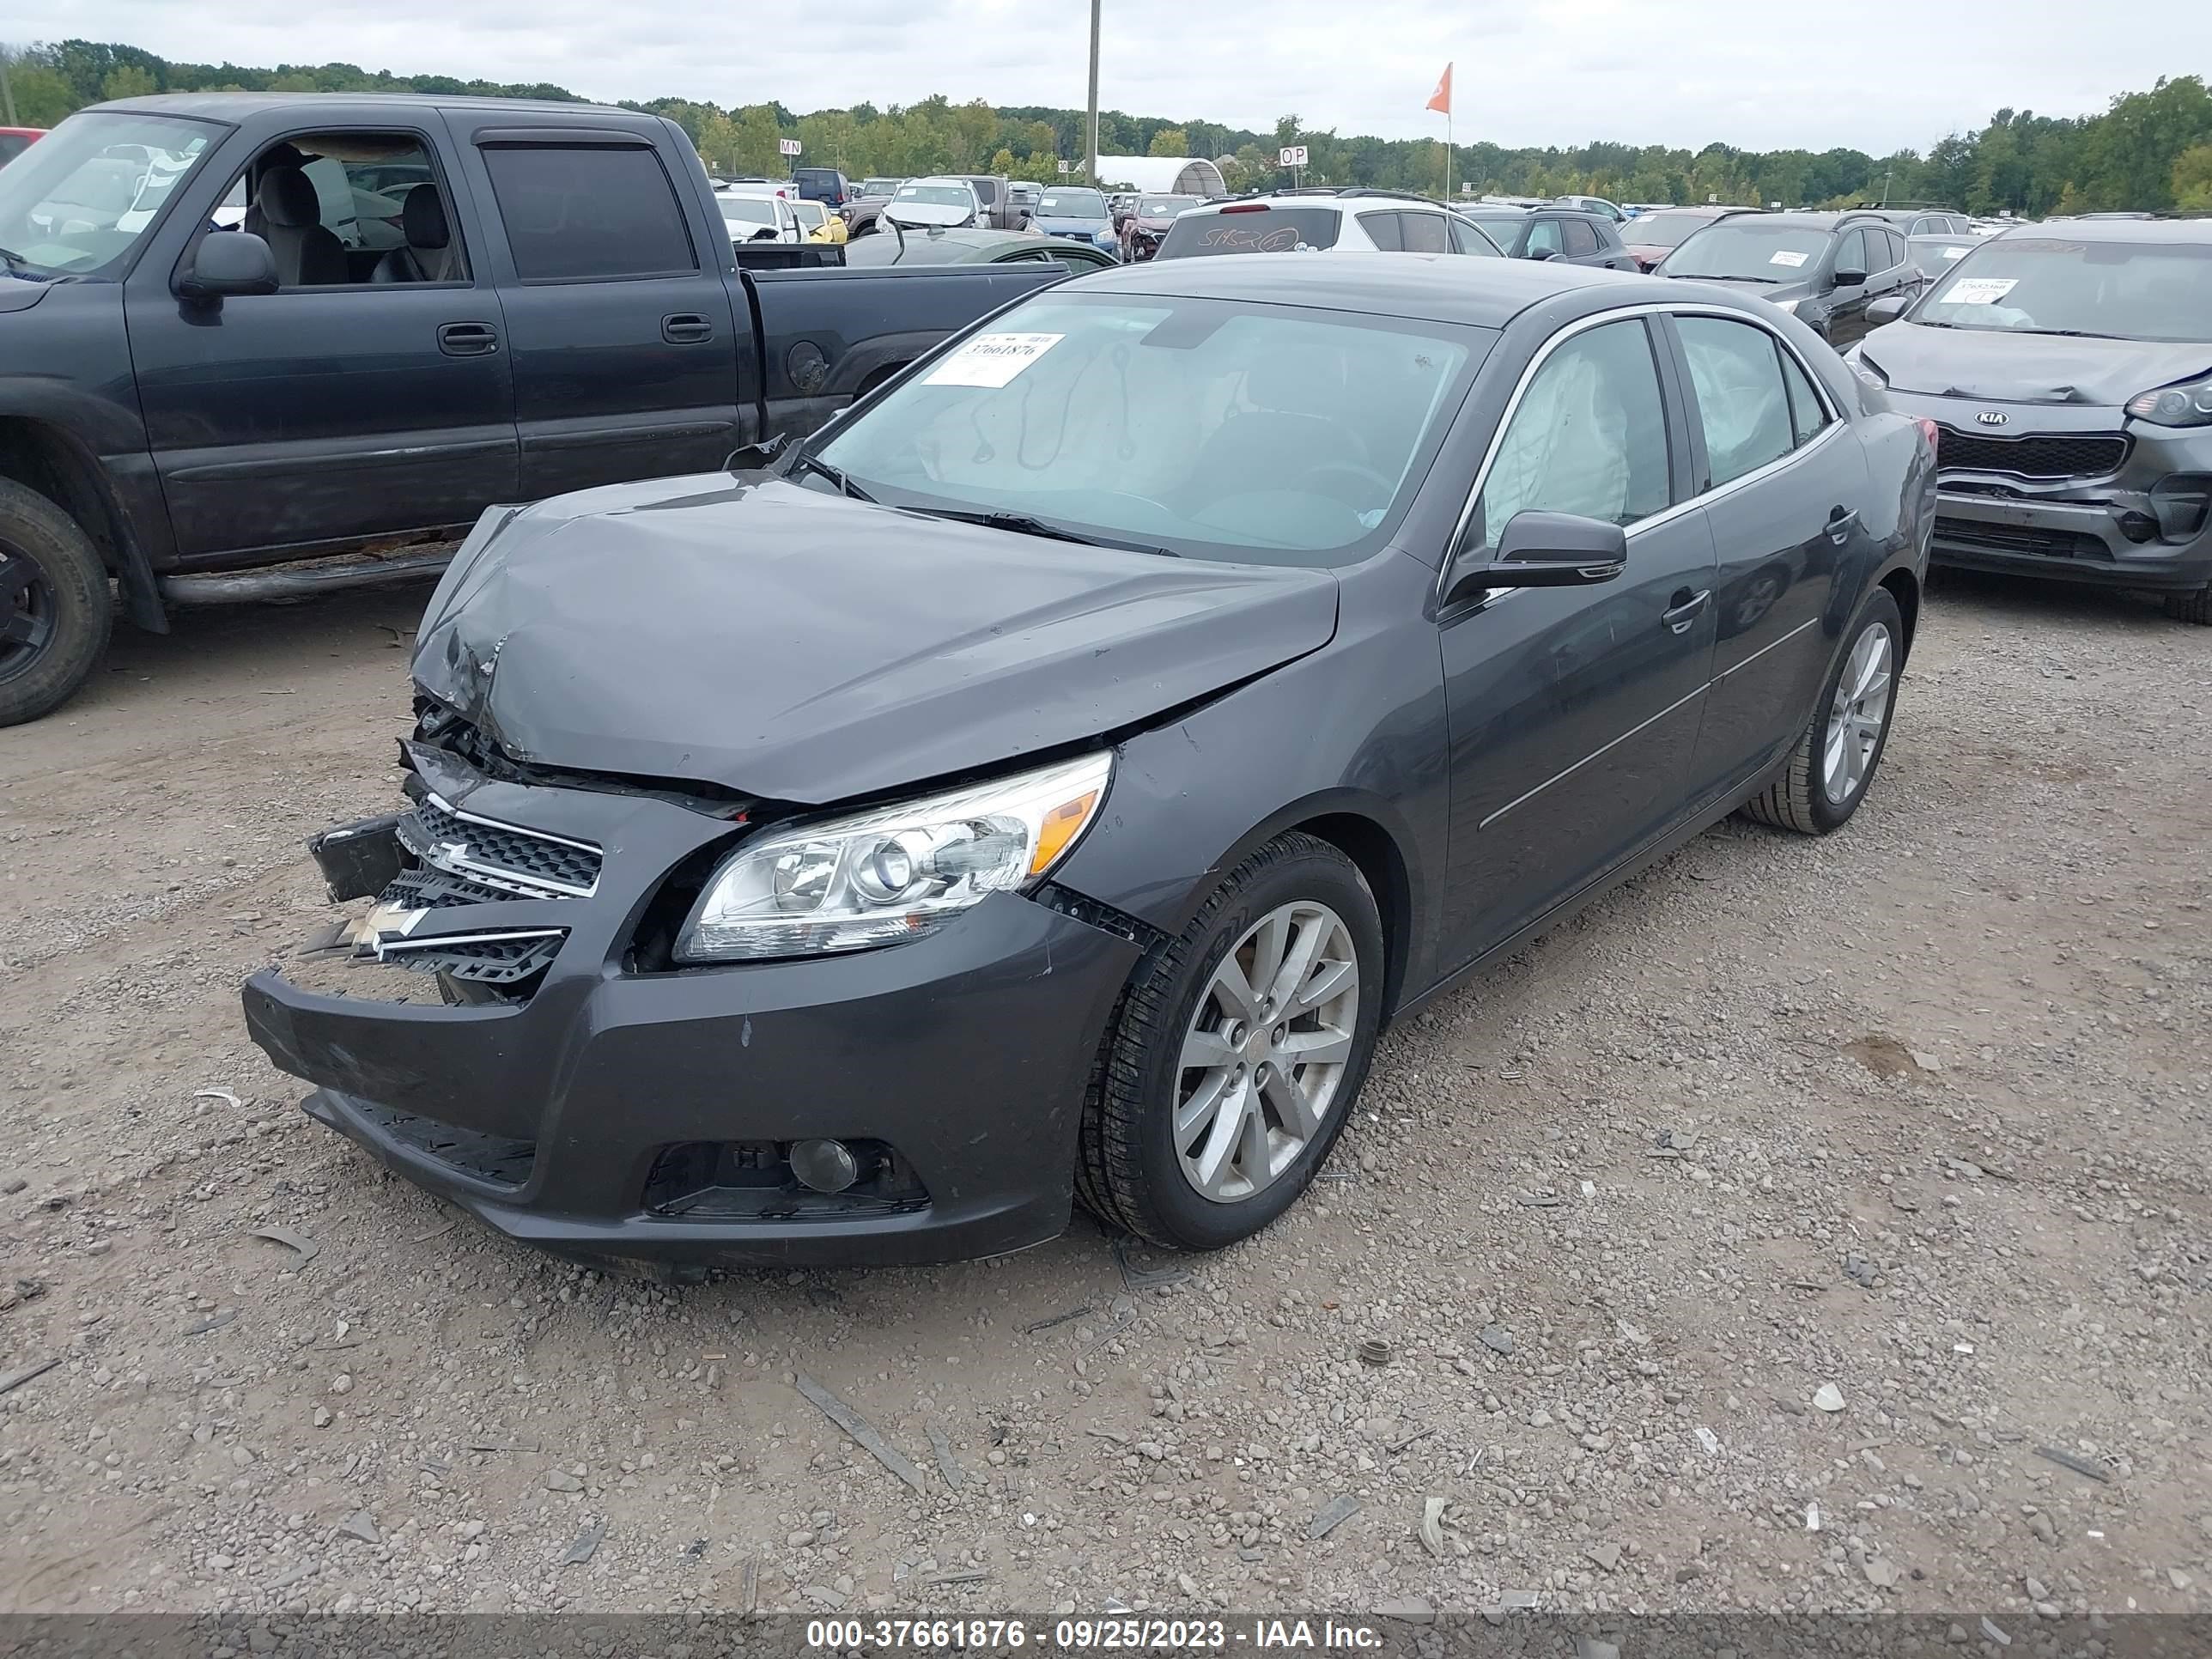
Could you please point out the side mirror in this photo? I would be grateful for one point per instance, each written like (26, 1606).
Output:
(1545, 549)
(1850, 279)
(229, 263)
(1886, 309)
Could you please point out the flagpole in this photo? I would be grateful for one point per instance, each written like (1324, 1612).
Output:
(1448, 158)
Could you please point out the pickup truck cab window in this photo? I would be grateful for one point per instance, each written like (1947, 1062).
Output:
(348, 208)
(588, 213)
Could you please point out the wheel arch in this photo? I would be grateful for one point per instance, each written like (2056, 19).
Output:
(45, 458)
(1904, 587)
(1381, 861)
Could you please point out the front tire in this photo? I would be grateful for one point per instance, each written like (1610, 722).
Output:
(56, 612)
(1236, 1053)
(2194, 606)
(1830, 770)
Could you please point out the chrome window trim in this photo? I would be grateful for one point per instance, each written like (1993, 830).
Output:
(1598, 320)
(1746, 662)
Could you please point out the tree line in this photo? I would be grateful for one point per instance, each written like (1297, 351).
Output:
(2149, 150)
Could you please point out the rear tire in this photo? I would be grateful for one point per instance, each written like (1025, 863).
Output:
(1298, 1060)
(56, 610)
(1833, 765)
(2195, 607)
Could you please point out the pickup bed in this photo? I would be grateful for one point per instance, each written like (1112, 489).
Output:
(429, 305)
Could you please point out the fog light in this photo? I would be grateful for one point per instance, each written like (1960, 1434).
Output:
(827, 1166)
(2139, 527)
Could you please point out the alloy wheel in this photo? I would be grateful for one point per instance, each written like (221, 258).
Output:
(1857, 715)
(1266, 1051)
(26, 612)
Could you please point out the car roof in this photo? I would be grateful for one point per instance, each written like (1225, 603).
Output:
(235, 106)
(2187, 232)
(1441, 287)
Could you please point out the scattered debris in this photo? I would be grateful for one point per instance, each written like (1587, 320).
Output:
(965, 1575)
(1421, 1433)
(1589, 1647)
(1881, 1572)
(1859, 1270)
(212, 1323)
(1590, 1190)
(947, 1464)
(1057, 1319)
(362, 1525)
(1828, 1397)
(307, 1247)
(438, 1231)
(1433, 1525)
(1812, 1517)
(1607, 1555)
(1994, 1633)
(1134, 1277)
(857, 1426)
(1709, 1440)
(1374, 1350)
(1406, 1610)
(223, 1095)
(16, 1379)
(1333, 1514)
(1113, 1435)
(1925, 1061)
(562, 1480)
(1537, 1200)
(587, 1544)
(502, 1446)
(2065, 1458)
(1497, 1338)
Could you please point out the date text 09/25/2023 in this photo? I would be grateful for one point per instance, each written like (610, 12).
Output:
(1076, 1635)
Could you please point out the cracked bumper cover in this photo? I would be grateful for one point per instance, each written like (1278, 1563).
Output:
(967, 1050)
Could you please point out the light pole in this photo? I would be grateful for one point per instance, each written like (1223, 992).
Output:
(1093, 129)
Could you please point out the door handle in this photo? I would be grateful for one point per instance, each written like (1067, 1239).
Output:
(686, 328)
(1683, 612)
(467, 339)
(1840, 520)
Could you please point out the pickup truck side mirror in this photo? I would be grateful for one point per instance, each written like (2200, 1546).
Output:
(1850, 279)
(1886, 309)
(229, 263)
(1543, 550)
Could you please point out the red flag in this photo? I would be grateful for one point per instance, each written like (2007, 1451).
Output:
(1440, 100)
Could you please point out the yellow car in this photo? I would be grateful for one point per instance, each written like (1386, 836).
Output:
(819, 223)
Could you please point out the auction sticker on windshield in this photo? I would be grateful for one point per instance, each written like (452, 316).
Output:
(1979, 290)
(991, 359)
(1954, 253)
(1787, 257)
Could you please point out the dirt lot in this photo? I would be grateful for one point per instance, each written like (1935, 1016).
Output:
(1921, 1112)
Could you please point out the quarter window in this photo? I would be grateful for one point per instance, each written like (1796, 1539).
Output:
(1735, 375)
(1424, 233)
(589, 212)
(1590, 436)
(1465, 239)
(1581, 238)
(1382, 229)
(1808, 415)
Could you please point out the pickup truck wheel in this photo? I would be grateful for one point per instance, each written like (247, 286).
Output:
(56, 612)
(1236, 1053)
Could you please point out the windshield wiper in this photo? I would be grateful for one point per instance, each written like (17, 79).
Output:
(2072, 333)
(806, 463)
(14, 260)
(1023, 524)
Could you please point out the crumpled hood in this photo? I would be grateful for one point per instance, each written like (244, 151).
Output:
(796, 645)
(1995, 366)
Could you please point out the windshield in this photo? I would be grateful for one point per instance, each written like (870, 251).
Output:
(1750, 250)
(75, 202)
(1072, 204)
(1663, 229)
(1215, 428)
(813, 214)
(937, 194)
(746, 210)
(2043, 284)
(879, 187)
(1166, 207)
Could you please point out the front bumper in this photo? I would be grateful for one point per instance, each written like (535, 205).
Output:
(2143, 524)
(582, 1118)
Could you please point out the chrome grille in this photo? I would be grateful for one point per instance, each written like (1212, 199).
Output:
(520, 862)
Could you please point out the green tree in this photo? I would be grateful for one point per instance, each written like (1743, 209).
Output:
(2192, 180)
(1168, 141)
(128, 81)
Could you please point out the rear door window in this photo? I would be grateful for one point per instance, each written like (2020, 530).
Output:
(1255, 229)
(1581, 236)
(589, 212)
(1543, 237)
(1424, 233)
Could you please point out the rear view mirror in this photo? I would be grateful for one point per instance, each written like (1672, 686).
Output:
(1850, 279)
(1545, 549)
(229, 263)
(1886, 309)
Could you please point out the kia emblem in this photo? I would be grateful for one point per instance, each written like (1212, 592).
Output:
(1992, 417)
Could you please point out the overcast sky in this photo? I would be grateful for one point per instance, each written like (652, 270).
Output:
(1752, 73)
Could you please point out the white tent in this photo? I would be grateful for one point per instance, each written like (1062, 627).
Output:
(1162, 175)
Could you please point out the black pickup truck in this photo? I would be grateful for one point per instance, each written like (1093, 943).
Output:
(256, 345)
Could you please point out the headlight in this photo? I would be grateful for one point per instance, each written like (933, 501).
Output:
(895, 873)
(2175, 405)
(1860, 364)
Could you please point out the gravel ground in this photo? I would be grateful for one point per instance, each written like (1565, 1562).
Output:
(1911, 1122)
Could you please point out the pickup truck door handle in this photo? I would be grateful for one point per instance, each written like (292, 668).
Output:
(1678, 615)
(467, 339)
(1840, 520)
(686, 328)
